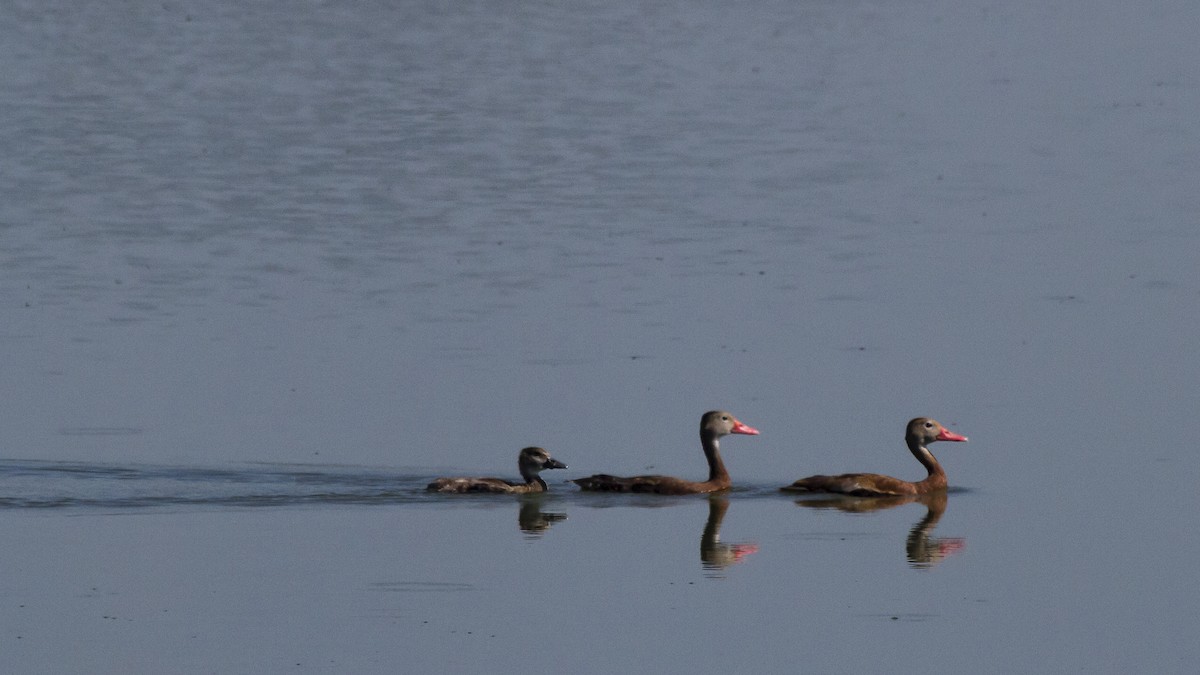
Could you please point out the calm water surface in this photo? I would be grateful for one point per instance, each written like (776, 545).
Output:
(268, 269)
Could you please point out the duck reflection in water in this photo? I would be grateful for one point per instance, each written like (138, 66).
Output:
(715, 556)
(532, 520)
(922, 549)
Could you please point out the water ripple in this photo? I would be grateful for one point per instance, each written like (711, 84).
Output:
(31, 484)
(54, 485)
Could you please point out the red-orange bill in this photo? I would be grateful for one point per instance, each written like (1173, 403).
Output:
(740, 428)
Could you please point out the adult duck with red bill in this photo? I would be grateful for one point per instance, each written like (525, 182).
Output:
(920, 433)
(714, 425)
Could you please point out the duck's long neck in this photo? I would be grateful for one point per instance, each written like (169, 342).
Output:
(717, 473)
(937, 475)
(534, 483)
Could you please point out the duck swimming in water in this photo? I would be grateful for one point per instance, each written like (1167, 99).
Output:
(531, 461)
(920, 433)
(714, 425)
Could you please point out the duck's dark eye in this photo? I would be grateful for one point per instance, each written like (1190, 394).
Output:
(929, 425)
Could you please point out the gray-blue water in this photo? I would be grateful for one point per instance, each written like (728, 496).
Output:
(267, 268)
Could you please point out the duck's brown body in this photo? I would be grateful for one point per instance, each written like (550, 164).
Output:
(713, 425)
(663, 485)
(920, 432)
(530, 461)
(494, 485)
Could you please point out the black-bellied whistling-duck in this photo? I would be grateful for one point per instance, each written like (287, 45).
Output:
(921, 432)
(713, 425)
(530, 461)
